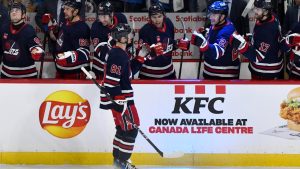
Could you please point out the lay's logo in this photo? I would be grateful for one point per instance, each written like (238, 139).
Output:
(64, 114)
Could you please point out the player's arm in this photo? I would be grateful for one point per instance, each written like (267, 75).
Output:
(142, 52)
(245, 48)
(216, 49)
(41, 10)
(34, 46)
(78, 56)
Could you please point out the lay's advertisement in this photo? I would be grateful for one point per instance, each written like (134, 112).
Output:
(192, 117)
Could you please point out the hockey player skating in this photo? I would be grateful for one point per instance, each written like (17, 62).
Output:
(118, 71)
(219, 62)
(159, 32)
(100, 31)
(72, 44)
(264, 50)
(20, 46)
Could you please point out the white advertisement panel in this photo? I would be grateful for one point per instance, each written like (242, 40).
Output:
(188, 116)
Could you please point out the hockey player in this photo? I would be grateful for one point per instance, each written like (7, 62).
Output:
(118, 71)
(100, 31)
(219, 62)
(159, 32)
(72, 44)
(293, 40)
(266, 62)
(20, 46)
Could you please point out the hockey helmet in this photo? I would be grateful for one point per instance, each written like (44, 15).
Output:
(265, 4)
(76, 4)
(218, 7)
(121, 30)
(156, 8)
(18, 5)
(105, 8)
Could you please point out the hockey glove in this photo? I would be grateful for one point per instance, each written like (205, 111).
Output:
(36, 53)
(66, 58)
(293, 39)
(296, 51)
(183, 44)
(157, 49)
(143, 51)
(198, 40)
(237, 41)
(121, 105)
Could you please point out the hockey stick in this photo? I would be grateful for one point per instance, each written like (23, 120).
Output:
(43, 56)
(182, 52)
(162, 154)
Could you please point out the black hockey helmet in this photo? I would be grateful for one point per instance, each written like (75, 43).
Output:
(156, 8)
(218, 7)
(105, 8)
(121, 30)
(76, 4)
(18, 5)
(265, 4)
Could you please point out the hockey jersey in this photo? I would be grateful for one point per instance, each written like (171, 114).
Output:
(99, 36)
(17, 61)
(74, 36)
(294, 62)
(118, 72)
(265, 50)
(218, 60)
(161, 67)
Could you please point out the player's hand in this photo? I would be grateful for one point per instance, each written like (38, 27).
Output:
(143, 52)
(248, 37)
(52, 25)
(157, 49)
(237, 41)
(66, 58)
(198, 39)
(36, 53)
(183, 44)
(293, 39)
(121, 105)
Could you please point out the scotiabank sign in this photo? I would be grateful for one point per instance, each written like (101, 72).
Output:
(64, 114)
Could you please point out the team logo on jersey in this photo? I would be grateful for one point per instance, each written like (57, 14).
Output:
(223, 43)
(264, 47)
(64, 114)
(11, 50)
(60, 39)
(167, 45)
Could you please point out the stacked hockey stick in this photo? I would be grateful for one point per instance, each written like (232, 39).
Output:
(162, 154)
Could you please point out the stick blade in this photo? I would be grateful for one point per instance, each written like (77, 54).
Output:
(177, 154)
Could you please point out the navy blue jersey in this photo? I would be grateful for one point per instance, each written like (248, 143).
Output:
(99, 34)
(162, 66)
(17, 61)
(74, 36)
(118, 72)
(264, 53)
(218, 60)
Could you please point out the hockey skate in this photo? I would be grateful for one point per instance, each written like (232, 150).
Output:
(123, 165)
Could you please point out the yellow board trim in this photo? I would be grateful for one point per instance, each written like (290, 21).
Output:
(89, 158)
